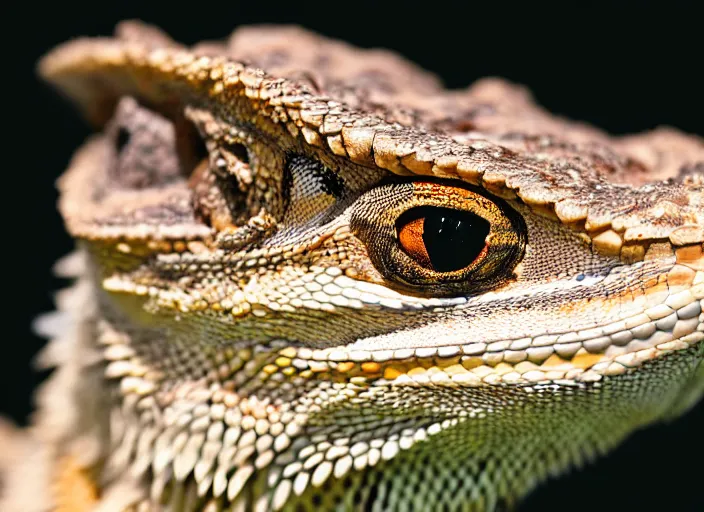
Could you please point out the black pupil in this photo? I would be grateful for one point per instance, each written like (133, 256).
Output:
(453, 238)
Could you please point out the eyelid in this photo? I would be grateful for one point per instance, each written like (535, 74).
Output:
(374, 221)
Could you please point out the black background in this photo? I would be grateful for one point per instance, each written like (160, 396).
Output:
(624, 67)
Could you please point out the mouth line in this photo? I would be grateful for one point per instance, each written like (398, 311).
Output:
(663, 326)
(582, 356)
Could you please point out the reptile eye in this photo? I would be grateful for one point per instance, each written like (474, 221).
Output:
(442, 239)
(439, 238)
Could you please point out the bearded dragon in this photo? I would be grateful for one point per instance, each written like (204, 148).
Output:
(308, 277)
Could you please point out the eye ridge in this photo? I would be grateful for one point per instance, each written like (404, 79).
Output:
(443, 239)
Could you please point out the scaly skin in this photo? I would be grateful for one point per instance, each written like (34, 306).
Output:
(239, 340)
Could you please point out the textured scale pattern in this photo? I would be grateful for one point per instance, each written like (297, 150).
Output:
(243, 334)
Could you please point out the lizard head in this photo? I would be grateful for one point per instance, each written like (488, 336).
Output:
(341, 218)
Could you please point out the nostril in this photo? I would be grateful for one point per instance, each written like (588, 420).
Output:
(123, 138)
(230, 162)
(149, 149)
(239, 151)
(216, 200)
